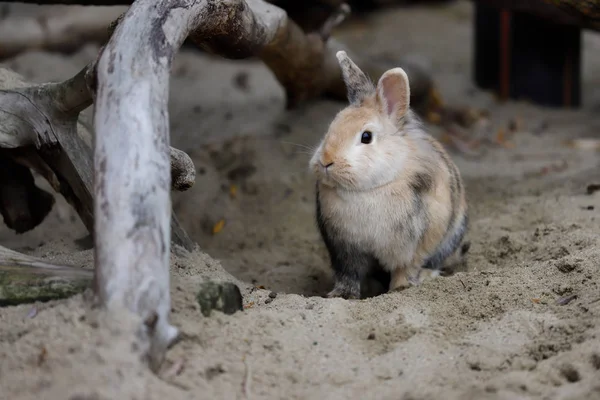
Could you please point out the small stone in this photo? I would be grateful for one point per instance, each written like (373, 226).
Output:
(220, 296)
(371, 336)
(273, 295)
(269, 300)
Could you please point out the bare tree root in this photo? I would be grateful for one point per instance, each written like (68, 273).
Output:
(64, 29)
(303, 63)
(39, 129)
(25, 279)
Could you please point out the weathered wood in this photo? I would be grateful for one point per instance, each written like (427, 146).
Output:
(303, 63)
(26, 279)
(183, 172)
(45, 118)
(132, 200)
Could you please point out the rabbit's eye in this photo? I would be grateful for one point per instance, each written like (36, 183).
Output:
(366, 137)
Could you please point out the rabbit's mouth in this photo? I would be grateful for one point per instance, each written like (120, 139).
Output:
(337, 178)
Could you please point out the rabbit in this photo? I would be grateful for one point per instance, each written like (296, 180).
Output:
(387, 193)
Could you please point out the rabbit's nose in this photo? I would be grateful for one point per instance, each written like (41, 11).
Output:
(326, 165)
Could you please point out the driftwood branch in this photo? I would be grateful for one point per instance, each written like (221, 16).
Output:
(64, 29)
(25, 279)
(300, 53)
(304, 63)
(39, 129)
(132, 179)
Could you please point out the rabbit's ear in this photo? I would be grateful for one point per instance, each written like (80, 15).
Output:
(358, 85)
(393, 93)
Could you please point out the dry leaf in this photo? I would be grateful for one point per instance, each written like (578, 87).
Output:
(536, 301)
(42, 356)
(436, 98)
(500, 136)
(218, 227)
(434, 117)
(502, 140)
(249, 305)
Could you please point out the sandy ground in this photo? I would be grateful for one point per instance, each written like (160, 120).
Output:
(496, 329)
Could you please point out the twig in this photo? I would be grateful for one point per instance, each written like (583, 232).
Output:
(247, 379)
(342, 12)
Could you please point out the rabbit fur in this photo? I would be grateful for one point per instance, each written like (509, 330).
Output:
(395, 202)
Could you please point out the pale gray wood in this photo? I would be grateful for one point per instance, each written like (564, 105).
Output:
(132, 201)
(45, 117)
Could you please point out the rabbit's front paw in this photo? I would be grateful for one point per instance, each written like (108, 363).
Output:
(401, 280)
(345, 291)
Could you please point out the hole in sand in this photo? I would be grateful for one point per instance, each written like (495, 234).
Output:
(570, 373)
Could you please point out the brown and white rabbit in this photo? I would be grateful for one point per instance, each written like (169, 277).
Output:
(388, 194)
